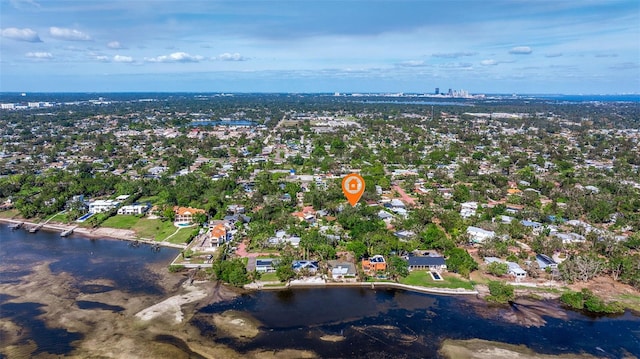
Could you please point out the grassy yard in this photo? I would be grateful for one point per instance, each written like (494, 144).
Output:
(182, 236)
(153, 228)
(121, 222)
(631, 301)
(9, 214)
(423, 279)
(60, 217)
(269, 277)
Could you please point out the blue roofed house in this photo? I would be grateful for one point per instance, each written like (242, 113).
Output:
(302, 265)
(536, 227)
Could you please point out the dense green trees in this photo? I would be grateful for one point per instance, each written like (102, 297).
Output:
(458, 260)
(231, 271)
(586, 300)
(500, 292)
(497, 268)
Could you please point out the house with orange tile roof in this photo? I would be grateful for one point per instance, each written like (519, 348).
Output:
(185, 214)
(374, 264)
(218, 235)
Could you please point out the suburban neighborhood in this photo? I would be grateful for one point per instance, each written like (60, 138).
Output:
(251, 194)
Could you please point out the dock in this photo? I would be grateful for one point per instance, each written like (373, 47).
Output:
(35, 228)
(15, 226)
(68, 232)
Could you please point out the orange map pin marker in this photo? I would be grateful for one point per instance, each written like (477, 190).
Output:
(353, 187)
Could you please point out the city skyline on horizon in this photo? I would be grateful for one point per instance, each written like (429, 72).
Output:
(494, 47)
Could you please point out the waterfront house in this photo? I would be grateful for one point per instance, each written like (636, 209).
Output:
(266, 265)
(374, 264)
(309, 266)
(341, 270)
(186, 215)
(431, 263)
(218, 235)
(102, 205)
(513, 269)
(134, 209)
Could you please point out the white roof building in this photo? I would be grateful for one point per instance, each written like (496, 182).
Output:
(102, 205)
(479, 235)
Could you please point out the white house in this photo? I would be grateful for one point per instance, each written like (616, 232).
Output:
(479, 235)
(514, 269)
(102, 205)
(468, 209)
(134, 209)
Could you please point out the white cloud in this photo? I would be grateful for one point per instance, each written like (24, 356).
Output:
(230, 57)
(625, 66)
(413, 63)
(101, 58)
(453, 55)
(39, 55)
(176, 57)
(488, 62)
(521, 50)
(120, 58)
(115, 45)
(68, 34)
(555, 54)
(24, 4)
(26, 34)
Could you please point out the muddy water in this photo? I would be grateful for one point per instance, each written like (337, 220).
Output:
(76, 297)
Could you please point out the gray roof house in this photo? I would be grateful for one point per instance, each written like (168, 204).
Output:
(545, 261)
(342, 269)
(427, 263)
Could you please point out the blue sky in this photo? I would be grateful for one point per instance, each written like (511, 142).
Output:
(573, 47)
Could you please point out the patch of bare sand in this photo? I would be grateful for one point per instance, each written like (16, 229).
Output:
(281, 354)
(484, 349)
(235, 324)
(171, 308)
(106, 334)
(332, 338)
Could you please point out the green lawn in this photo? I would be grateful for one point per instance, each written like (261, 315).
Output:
(9, 214)
(60, 217)
(153, 228)
(423, 279)
(121, 222)
(269, 277)
(181, 236)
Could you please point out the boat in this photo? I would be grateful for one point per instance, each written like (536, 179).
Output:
(15, 226)
(67, 232)
(34, 229)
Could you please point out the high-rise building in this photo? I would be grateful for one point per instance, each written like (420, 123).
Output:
(437, 90)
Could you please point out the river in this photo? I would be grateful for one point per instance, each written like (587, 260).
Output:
(78, 297)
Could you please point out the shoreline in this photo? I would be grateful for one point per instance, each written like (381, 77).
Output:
(96, 233)
(372, 285)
